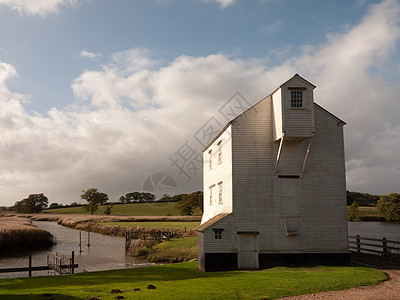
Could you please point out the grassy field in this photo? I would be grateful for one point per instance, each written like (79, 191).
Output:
(156, 224)
(132, 209)
(368, 211)
(183, 281)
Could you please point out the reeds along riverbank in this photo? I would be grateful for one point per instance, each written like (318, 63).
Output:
(18, 235)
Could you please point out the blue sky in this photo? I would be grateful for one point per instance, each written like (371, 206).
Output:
(104, 93)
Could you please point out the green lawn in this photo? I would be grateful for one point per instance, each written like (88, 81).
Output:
(132, 209)
(183, 281)
(155, 224)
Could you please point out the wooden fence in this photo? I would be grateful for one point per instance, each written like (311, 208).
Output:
(375, 246)
(146, 235)
(58, 263)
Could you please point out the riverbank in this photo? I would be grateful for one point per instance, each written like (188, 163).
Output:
(181, 248)
(18, 235)
(183, 281)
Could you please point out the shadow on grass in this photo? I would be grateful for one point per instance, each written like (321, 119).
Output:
(171, 272)
(37, 296)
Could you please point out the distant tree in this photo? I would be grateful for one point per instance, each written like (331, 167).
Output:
(74, 204)
(33, 204)
(363, 199)
(189, 202)
(165, 198)
(94, 199)
(53, 205)
(108, 209)
(122, 199)
(389, 206)
(353, 211)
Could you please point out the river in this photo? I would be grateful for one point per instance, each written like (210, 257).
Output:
(105, 252)
(390, 231)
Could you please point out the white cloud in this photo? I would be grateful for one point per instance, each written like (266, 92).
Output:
(132, 115)
(90, 55)
(271, 28)
(222, 3)
(37, 7)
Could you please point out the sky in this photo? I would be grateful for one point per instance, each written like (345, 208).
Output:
(122, 95)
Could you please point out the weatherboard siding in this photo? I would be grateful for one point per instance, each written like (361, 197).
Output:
(220, 172)
(255, 185)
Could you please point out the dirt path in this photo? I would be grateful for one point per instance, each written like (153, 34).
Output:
(390, 289)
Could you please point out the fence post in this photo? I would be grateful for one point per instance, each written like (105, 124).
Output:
(88, 244)
(30, 265)
(72, 262)
(358, 244)
(384, 246)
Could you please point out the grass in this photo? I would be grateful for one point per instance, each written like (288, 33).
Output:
(183, 281)
(174, 250)
(367, 213)
(156, 224)
(131, 209)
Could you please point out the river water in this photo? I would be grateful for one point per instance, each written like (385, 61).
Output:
(390, 231)
(105, 252)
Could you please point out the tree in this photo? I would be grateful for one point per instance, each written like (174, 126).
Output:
(108, 209)
(389, 206)
(189, 202)
(33, 204)
(53, 205)
(353, 211)
(94, 199)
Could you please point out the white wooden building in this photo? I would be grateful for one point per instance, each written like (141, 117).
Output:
(275, 186)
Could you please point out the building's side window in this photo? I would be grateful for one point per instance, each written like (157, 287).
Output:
(218, 233)
(220, 199)
(220, 152)
(210, 160)
(211, 195)
(296, 99)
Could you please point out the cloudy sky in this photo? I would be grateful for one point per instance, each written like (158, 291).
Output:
(98, 93)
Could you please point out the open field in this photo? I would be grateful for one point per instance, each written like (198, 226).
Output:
(18, 235)
(367, 213)
(183, 281)
(155, 224)
(131, 209)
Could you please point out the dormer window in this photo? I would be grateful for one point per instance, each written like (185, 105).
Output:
(296, 99)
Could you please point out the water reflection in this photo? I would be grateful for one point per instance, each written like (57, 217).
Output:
(105, 252)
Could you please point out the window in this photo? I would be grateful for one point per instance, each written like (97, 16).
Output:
(220, 200)
(211, 194)
(210, 160)
(220, 152)
(296, 99)
(218, 233)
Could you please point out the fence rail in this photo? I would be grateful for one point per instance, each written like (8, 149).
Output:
(54, 262)
(382, 246)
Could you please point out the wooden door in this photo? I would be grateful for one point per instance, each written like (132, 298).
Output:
(248, 258)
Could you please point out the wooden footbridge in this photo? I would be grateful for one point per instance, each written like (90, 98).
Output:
(57, 262)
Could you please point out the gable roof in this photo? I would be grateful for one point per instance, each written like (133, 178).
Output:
(340, 122)
(212, 221)
(295, 75)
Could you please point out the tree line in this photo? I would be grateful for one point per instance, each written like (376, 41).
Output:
(387, 205)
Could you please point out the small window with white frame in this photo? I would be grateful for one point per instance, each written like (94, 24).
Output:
(296, 100)
(210, 160)
(218, 233)
(219, 152)
(211, 194)
(220, 195)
